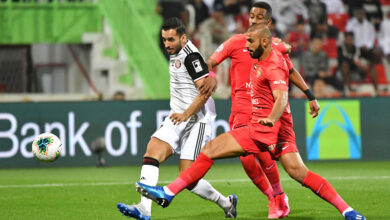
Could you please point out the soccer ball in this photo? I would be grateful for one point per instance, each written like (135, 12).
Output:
(47, 147)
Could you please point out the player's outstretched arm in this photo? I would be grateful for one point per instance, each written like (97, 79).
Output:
(298, 81)
(196, 105)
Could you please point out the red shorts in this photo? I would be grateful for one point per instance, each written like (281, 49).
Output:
(281, 148)
(255, 137)
(239, 119)
(254, 141)
(286, 131)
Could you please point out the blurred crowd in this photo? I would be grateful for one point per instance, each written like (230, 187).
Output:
(341, 47)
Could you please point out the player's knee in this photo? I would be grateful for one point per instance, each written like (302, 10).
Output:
(297, 172)
(208, 149)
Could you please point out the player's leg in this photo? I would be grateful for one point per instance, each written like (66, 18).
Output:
(157, 151)
(162, 145)
(256, 174)
(270, 168)
(223, 146)
(294, 166)
(205, 190)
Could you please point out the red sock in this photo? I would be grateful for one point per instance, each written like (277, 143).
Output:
(323, 189)
(254, 171)
(192, 174)
(270, 168)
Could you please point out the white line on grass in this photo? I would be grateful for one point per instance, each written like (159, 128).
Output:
(169, 181)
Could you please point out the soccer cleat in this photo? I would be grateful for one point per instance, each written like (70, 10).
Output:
(354, 215)
(232, 211)
(284, 207)
(273, 209)
(155, 193)
(134, 211)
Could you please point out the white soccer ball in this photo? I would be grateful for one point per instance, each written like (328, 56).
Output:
(47, 147)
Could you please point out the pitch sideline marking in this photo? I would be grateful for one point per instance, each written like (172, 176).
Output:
(169, 181)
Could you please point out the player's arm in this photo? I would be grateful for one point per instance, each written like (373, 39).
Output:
(281, 101)
(199, 72)
(196, 105)
(281, 46)
(219, 55)
(298, 81)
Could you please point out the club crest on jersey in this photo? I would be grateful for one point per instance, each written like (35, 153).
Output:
(258, 72)
(177, 64)
(197, 66)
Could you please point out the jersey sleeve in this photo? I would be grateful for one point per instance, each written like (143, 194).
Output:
(279, 47)
(196, 66)
(290, 65)
(223, 51)
(278, 79)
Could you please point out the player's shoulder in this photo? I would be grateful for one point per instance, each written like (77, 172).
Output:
(277, 60)
(238, 37)
(189, 48)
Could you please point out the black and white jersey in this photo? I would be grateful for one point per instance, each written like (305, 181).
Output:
(185, 69)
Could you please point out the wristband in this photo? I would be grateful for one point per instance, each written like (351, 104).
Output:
(310, 96)
(212, 74)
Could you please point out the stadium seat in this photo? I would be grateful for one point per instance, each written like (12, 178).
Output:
(330, 47)
(380, 70)
(338, 20)
(385, 2)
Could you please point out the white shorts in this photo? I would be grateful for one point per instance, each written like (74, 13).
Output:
(186, 139)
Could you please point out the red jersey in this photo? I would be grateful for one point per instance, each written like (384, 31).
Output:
(241, 63)
(267, 75)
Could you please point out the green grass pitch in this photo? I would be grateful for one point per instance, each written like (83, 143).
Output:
(92, 193)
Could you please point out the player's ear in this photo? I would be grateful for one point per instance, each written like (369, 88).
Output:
(264, 42)
(183, 38)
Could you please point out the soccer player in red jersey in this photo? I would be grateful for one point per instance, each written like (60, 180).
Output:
(269, 97)
(234, 48)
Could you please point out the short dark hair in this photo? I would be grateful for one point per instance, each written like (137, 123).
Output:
(348, 33)
(264, 5)
(174, 23)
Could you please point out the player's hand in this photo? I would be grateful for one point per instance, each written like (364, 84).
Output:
(314, 108)
(178, 118)
(266, 122)
(276, 40)
(209, 85)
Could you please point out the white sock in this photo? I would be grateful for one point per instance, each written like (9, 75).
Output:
(347, 210)
(168, 191)
(206, 191)
(149, 176)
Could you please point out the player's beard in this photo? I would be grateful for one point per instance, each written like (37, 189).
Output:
(176, 49)
(257, 53)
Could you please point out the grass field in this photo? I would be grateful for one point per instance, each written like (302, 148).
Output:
(92, 193)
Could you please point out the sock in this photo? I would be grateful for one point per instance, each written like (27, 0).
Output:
(192, 174)
(149, 176)
(270, 169)
(347, 210)
(255, 172)
(323, 189)
(206, 191)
